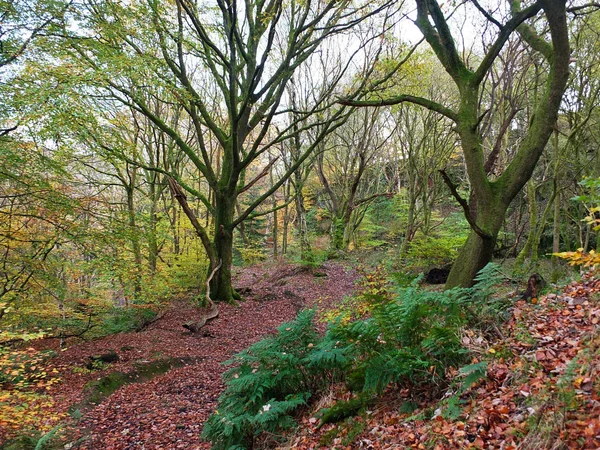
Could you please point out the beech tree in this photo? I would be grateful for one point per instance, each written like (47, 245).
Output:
(491, 197)
(227, 65)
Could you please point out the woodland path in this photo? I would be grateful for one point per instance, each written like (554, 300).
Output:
(167, 411)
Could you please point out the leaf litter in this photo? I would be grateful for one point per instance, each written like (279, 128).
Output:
(542, 389)
(167, 411)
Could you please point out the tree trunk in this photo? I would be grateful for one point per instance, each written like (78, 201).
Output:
(410, 228)
(286, 219)
(275, 219)
(478, 251)
(472, 257)
(305, 248)
(152, 233)
(135, 242)
(221, 288)
(338, 229)
(526, 251)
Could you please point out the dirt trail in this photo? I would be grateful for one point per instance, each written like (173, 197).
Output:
(167, 412)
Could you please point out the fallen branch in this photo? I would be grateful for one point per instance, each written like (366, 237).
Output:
(212, 313)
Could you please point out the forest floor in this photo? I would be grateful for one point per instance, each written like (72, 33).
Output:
(541, 389)
(167, 411)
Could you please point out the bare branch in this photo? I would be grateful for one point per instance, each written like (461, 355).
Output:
(429, 104)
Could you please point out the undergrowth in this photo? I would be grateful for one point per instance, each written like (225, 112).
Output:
(410, 338)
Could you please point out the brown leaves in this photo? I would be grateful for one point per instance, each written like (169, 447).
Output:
(167, 412)
(542, 386)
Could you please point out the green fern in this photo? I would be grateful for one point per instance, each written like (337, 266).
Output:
(269, 381)
(409, 340)
(473, 373)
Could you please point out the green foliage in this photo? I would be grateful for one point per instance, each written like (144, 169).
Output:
(313, 258)
(346, 432)
(119, 320)
(270, 380)
(45, 439)
(425, 251)
(373, 231)
(33, 440)
(252, 254)
(438, 246)
(591, 200)
(410, 338)
(373, 289)
(472, 373)
(26, 440)
(99, 389)
(344, 409)
(188, 270)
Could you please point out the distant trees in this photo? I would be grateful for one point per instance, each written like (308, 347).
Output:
(347, 165)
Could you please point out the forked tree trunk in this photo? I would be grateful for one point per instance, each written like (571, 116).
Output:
(490, 202)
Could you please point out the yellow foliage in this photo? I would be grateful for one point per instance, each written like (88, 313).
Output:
(581, 258)
(20, 410)
(23, 378)
(373, 290)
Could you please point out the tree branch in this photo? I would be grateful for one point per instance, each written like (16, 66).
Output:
(429, 104)
(200, 231)
(516, 21)
(262, 174)
(465, 206)
(213, 312)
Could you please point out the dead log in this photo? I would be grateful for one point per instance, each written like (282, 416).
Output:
(149, 322)
(110, 356)
(212, 313)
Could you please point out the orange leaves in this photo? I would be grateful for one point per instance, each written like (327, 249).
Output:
(542, 379)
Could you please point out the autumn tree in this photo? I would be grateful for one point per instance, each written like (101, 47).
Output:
(227, 65)
(21, 23)
(491, 196)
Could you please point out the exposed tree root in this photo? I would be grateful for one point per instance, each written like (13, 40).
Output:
(213, 312)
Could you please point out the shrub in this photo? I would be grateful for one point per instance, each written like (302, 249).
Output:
(590, 259)
(120, 320)
(407, 340)
(373, 288)
(439, 247)
(268, 382)
(24, 376)
(188, 270)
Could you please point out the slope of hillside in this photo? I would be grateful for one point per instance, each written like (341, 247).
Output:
(541, 390)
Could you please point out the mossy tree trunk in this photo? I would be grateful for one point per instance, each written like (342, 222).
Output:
(490, 198)
(220, 286)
